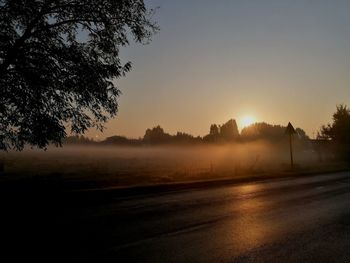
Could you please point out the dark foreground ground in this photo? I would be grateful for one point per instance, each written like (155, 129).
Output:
(303, 219)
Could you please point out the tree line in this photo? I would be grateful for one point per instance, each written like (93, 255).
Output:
(218, 134)
(333, 138)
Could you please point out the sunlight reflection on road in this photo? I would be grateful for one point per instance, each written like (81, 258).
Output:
(219, 224)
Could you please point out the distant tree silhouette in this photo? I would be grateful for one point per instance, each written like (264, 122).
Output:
(76, 139)
(58, 63)
(301, 134)
(265, 131)
(224, 133)
(214, 134)
(214, 130)
(185, 138)
(229, 131)
(121, 140)
(156, 135)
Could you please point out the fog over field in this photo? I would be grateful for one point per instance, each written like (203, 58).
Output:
(121, 166)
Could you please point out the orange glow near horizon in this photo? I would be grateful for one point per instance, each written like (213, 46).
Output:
(246, 121)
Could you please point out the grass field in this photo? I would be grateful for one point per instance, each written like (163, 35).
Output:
(90, 167)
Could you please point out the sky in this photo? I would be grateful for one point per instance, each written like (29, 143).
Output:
(275, 60)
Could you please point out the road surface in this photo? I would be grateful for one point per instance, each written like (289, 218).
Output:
(304, 219)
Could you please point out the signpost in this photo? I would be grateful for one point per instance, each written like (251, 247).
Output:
(290, 131)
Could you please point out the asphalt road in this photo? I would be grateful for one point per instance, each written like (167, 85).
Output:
(303, 219)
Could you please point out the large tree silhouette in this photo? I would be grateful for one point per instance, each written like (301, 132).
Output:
(339, 130)
(58, 63)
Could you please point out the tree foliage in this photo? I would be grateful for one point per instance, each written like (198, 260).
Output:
(269, 132)
(59, 60)
(339, 129)
(156, 135)
(227, 132)
(338, 132)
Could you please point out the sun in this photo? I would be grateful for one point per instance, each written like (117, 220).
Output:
(247, 120)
